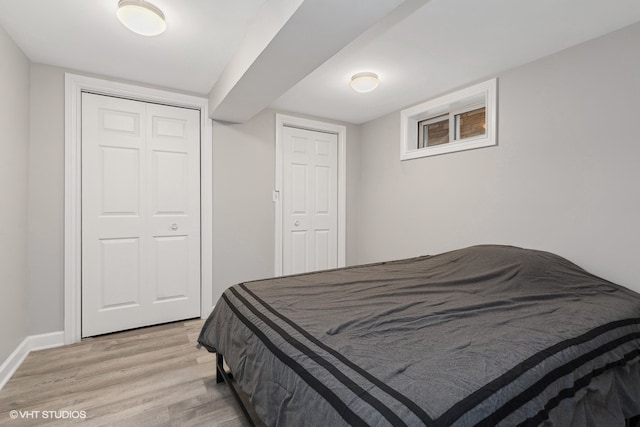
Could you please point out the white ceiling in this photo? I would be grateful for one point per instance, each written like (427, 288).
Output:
(421, 49)
(85, 35)
(431, 48)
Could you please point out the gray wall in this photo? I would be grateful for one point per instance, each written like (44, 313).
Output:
(243, 230)
(46, 200)
(14, 145)
(564, 178)
(244, 213)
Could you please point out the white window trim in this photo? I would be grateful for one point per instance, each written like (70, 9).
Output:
(341, 131)
(74, 86)
(410, 117)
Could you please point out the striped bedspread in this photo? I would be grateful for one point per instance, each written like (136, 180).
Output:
(487, 335)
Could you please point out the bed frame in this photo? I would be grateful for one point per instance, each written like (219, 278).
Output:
(241, 397)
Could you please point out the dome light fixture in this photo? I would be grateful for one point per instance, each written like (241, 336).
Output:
(141, 17)
(364, 82)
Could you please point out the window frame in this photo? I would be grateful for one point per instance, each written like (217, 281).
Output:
(430, 121)
(455, 121)
(464, 100)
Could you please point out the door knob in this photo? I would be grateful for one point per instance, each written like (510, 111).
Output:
(174, 226)
(297, 223)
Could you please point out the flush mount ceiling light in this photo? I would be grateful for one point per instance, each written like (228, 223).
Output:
(364, 82)
(141, 17)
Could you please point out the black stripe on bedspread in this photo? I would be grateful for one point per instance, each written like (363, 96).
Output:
(579, 384)
(346, 413)
(408, 403)
(537, 388)
(474, 399)
(349, 383)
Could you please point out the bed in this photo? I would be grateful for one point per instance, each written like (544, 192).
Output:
(486, 335)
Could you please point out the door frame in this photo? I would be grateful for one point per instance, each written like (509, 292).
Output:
(314, 125)
(74, 86)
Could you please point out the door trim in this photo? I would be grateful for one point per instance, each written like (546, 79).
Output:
(74, 86)
(297, 122)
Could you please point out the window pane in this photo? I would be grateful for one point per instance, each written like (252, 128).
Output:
(433, 132)
(472, 123)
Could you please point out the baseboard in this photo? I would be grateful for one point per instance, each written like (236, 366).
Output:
(44, 341)
(14, 361)
(29, 344)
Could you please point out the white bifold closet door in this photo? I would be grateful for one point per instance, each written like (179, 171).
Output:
(309, 200)
(140, 214)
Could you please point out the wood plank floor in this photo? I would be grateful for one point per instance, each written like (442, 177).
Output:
(145, 377)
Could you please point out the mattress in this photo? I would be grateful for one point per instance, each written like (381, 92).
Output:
(486, 335)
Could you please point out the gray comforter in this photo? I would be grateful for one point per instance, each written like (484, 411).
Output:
(487, 335)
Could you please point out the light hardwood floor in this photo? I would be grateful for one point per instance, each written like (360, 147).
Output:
(145, 377)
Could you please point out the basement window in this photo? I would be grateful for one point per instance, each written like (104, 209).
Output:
(462, 120)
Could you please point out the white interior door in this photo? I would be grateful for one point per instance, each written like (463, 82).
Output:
(309, 200)
(140, 214)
